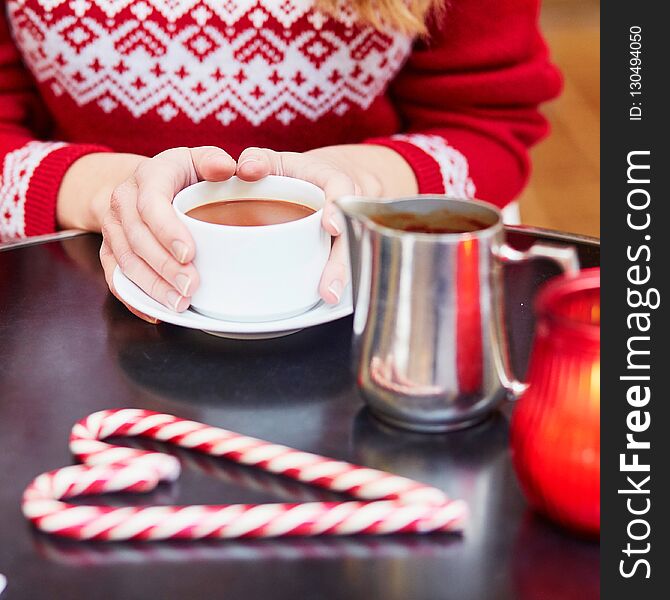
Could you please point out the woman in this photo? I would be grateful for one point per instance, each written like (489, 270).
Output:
(378, 97)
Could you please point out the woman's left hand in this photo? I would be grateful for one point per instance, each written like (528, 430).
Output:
(328, 169)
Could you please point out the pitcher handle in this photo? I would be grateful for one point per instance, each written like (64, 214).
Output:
(567, 259)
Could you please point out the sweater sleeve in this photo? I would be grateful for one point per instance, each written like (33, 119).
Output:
(31, 169)
(468, 100)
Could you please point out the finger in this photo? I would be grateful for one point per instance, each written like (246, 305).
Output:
(139, 272)
(336, 273)
(159, 179)
(184, 278)
(108, 265)
(332, 220)
(256, 163)
(212, 164)
(151, 190)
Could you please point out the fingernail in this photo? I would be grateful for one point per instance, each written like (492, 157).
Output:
(335, 225)
(174, 300)
(183, 283)
(335, 288)
(179, 250)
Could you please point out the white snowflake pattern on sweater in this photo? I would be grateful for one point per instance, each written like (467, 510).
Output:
(258, 60)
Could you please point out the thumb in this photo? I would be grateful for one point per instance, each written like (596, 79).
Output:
(211, 163)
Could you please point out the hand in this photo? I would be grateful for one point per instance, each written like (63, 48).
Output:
(336, 176)
(141, 232)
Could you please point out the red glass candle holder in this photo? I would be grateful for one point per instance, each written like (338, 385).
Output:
(555, 432)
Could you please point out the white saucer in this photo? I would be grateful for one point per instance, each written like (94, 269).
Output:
(321, 313)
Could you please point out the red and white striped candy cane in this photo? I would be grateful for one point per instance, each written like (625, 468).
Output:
(386, 503)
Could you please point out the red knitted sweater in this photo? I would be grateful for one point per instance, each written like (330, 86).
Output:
(80, 76)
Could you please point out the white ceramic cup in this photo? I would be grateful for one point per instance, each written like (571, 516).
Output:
(256, 273)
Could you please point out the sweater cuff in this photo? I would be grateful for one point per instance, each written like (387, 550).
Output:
(50, 161)
(439, 168)
(30, 177)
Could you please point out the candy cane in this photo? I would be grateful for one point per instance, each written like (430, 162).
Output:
(281, 488)
(386, 503)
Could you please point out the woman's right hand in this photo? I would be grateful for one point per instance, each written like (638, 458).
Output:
(142, 234)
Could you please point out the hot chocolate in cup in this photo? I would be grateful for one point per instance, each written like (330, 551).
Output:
(256, 273)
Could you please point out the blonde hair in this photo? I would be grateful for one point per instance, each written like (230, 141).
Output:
(407, 16)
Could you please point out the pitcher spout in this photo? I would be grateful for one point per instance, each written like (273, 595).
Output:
(356, 208)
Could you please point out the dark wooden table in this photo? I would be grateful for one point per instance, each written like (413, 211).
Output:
(68, 349)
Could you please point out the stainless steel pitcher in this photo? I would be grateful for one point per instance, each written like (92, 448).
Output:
(430, 349)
